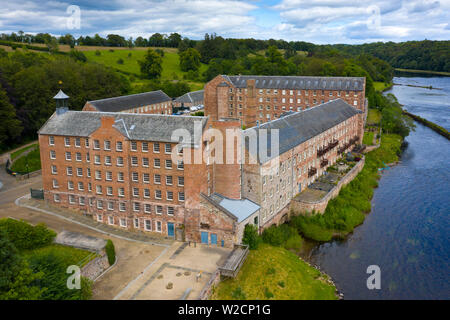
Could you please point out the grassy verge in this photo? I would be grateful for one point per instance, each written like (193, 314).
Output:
(275, 273)
(14, 155)
(33, 159)
(368, 138)
(348, 209)
(441, 73)
(381, 86)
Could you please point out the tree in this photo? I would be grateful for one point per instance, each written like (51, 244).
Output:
(151, 66)
(189, 60)
(11, 127)
(16, 278)
(251, 237)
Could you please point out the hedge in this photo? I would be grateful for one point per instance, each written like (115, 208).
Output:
(24, 236)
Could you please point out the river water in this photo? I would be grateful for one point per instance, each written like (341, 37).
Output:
(407, 232)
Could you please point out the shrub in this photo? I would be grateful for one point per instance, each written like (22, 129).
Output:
(294, 242)
(271, 271)
(110, 252)
(97, 52)
(238, 293)
(281, 284)
(120, 61)
(111, 50)
(24, 236)
(276, 236)
(267, 293)
(251, 237)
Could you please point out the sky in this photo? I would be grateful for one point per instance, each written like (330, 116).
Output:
(317, 21)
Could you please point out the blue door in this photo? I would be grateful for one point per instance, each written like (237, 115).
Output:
(213, 238)
(205, 237)
(170, 229)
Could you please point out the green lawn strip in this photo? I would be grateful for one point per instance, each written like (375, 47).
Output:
(368, 138)
(374, 116)
(17, 153)
(348, 209)
(276, 273)
(70, 255)
(381, 86)
(33, 159)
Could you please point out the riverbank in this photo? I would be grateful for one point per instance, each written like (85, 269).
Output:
(437, 128)
(349, 208)
(430, 72)
(276, 273)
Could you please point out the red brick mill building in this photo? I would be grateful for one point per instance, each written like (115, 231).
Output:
(128, 170)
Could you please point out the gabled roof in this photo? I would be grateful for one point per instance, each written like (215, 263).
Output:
(191, 97)
(299, 82)
(298, 127)
(123, 103)
(145, 127)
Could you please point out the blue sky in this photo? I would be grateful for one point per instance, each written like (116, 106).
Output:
(318, 21)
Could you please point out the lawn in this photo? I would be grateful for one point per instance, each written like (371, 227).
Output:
(17, 153)
(69, 255)
(374, 116)
(275, 273)
(33, 159)
(368, 138)
(380, 86)
(170, 66)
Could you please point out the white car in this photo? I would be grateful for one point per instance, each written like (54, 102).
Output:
(194, 108)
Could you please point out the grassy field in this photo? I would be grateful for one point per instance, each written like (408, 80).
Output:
(374, 116)
(275, 273)
(368, 138)
(380, 86)
(70, 255)
(170, 66)
(33, 159)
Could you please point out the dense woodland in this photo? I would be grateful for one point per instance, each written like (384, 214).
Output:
(29, 79)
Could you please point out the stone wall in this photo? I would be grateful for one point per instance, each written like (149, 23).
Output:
(207, 289)
(321, 205)
(95, 267)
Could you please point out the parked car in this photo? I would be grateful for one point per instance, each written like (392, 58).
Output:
(194, 108)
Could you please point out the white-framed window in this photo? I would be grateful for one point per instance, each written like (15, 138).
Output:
(156, 163)
(70, 185)
(109, 190)
(88, 157)
(170, 211)
(108, 175)
(180, 165)
(168, 164)
(157, 179)
(147, 208)
(97, 159)
(88, 172)
(120, 176)
(68, 156)
(123, 222)
(56, 197)
(81, 201)
(77, 142)
(110, 205)
(99, 217)
(121, 192)
(80, 186)
(180, 181)
(98, 175)
(169, 180)
(169, 195)
(67, 141)
(144, 146)
(181, 196)
(134, 161)
(79, 172)
(51, 140)
(167, 148)
(158, 194)
(99, 204)
(54, 169)
(86, 142)
(108, 160)
(158, 226)
(119, 162)
(69, 171)
(135, 176)
(133, 146)
(145, 162)
(148, 225)
(107, 145)
(156, 147)
(111, 220)
(122, 206)
(159, 209)
(136, 206)
(146, 178)
(146, 193)
(89, 186)
(135, 192)
(55, 183)
(96, 145)
(119, 146)
(78, 156)
(98, 189)
(136, 223)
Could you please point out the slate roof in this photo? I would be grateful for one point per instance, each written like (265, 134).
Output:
(299, 82)
(122, 103)
(301, 126)
(144, 127)
(191, 97)
(240, 208)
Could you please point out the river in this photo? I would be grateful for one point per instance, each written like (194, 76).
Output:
(407, 232)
